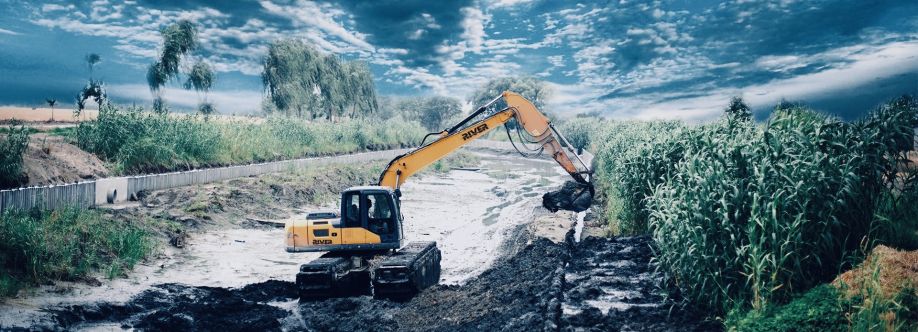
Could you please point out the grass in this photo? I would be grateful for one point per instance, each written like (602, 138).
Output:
(11, 149)
(870, 304)
(140, 142)
(68, 244)
(458, 159)
(749, 216)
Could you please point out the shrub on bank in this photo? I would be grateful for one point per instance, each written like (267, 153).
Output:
(142, 142)
(755, 214)
(745, 215)
(11, 149)
(68, 244)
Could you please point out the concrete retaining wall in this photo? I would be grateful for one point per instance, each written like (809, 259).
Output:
(120, 189)
(80, 195)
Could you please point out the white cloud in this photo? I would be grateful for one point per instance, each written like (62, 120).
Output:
(509, 3)
(55, 7)
(323, 17)
(8, 32)
(473, 23)
(863, 64)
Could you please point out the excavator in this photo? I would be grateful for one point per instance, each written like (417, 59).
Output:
(363, 241)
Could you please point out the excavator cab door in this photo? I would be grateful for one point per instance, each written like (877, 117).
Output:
(382, 216)
(353, 219)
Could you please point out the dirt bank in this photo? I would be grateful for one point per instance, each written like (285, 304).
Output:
(53, 160)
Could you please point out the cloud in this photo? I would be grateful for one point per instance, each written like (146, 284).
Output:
(8, 32)
(324, 17)
(632, 59)
(868, 67)
(473, 23)
(413, 25)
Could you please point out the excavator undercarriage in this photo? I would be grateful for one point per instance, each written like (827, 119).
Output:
(385, 275)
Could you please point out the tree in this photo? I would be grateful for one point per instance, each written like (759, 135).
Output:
(91, 60)
(298, 79)
(290, 77)
(433, 112)
(93, 89)
(51, 102)
(201, 79)
(738, 109)
(530, 88)
(437, 110)
(179, 39)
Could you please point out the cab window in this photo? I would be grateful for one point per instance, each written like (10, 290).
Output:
(379, 207)
(351, 215)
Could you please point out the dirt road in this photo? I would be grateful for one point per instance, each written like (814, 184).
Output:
(499, 272)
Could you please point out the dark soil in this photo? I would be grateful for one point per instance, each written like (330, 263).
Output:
(525, 290)
(618, 273)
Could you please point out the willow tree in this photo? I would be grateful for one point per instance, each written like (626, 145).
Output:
(201, 79)
(179, 40)
(360, 79)
(298, 80)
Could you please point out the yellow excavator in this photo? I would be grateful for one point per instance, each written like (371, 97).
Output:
(364, 240)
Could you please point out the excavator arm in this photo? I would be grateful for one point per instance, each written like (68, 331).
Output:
(536, 124)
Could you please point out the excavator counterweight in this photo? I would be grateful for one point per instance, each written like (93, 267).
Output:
(364, 242)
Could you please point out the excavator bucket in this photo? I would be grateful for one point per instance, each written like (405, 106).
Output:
(573, 196)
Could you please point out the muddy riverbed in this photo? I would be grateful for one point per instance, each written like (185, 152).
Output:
(500, 271)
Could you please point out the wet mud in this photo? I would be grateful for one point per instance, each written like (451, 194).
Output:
(611, 285)
(598, 284)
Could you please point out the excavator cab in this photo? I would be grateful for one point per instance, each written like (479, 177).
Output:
(374, 209)
(370, 220)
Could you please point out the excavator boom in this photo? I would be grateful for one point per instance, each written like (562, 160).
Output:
(536, 124)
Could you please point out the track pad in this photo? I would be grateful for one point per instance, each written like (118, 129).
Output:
(572, 196)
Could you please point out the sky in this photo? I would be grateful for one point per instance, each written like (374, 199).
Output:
(625, 59)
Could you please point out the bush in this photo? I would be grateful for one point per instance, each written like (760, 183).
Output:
(631, 160)
(752, 215)
(141, 142)
(745, 215)
(67, 244)
(11, 150)
(817, 310)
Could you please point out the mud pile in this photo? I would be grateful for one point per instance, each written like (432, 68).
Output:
(572, 196)
(174, 307)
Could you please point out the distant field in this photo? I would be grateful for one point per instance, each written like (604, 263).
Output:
(29, 114)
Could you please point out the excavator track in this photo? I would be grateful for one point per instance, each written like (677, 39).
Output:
(396, 276)
(333, 276)
(402, 275)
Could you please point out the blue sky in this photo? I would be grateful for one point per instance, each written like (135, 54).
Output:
(627, 59)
